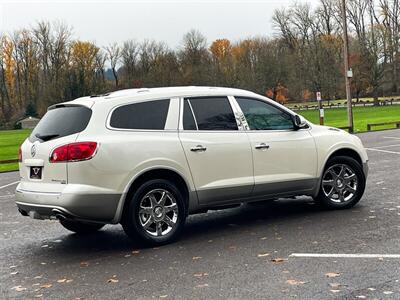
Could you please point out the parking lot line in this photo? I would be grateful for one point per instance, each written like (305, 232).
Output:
(387, 146)
(10, 184)
(344, 255)
(385, 151)
(391, 137)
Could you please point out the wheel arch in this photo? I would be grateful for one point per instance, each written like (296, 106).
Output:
(156, 173)
(344, 151)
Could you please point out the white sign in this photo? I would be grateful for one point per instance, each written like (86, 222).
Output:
(321, 112)
(318, 96)
(350, 73)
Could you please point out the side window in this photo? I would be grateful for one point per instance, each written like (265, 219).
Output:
(263, 116)
(188, 119)
(213, 113)
(143, 115)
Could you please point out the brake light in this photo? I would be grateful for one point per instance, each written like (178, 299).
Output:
(74, 152)
(20, 154)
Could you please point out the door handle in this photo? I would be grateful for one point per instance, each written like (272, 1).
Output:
(262, 146)
(198, 148)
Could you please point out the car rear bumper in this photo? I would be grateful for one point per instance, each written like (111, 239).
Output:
(97, 207)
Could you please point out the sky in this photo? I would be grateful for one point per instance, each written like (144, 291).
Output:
(105, 22)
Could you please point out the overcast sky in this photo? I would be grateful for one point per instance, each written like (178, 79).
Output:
(104, 22)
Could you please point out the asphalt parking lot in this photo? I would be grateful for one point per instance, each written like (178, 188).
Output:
(286, 249)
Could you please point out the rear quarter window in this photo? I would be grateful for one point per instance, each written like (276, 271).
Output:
(144, 115)
(61, 121)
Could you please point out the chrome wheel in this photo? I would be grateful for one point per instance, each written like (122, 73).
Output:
(158, 212)
(339, 183)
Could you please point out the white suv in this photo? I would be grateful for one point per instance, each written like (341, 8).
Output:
(146, 158)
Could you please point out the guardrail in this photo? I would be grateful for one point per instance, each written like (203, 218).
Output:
(326, 104)
(8, 161)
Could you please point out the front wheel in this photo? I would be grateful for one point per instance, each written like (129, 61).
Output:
(81, 227)
(155, 214)
(342, 184)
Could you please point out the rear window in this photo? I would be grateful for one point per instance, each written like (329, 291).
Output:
(61, 121)
(144, 115)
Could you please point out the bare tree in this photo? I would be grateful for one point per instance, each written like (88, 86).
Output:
(195, 58)
(129, 57)
(114, 55)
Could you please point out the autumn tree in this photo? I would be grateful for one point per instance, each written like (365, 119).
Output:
(83, 71)
(221, 51)
(7, 69)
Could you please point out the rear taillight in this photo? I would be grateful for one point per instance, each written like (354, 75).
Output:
(74, 152)
(20, 154)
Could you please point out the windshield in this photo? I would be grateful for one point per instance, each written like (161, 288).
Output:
(61, 121)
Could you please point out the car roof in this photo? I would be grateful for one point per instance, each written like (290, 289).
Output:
(122, 97)
(130, 95)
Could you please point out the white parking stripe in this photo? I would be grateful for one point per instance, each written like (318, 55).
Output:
(387, 146)
(10, 184)
(343, 255)
(385, 151)
(391, 137)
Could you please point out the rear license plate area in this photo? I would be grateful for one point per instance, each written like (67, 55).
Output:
(36, 172)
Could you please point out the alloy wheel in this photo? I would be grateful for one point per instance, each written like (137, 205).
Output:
(158, 212)
(340, 183)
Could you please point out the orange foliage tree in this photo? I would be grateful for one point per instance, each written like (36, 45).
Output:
(278, 93)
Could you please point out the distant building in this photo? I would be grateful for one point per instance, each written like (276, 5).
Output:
(28, 123)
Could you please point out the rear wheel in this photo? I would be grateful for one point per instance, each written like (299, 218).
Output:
(342, 184)
(155, 214)
(81, 227)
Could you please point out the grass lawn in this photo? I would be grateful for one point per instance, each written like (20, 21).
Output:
(10, 140)
(337, 117)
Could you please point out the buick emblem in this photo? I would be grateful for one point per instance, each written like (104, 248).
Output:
(33, 150)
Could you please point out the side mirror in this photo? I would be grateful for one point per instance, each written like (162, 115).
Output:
(299, 122)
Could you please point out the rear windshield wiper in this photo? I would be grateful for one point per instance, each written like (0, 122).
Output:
(46, 137)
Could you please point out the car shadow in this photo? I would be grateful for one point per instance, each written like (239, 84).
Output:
(201, 227)
(250, 217)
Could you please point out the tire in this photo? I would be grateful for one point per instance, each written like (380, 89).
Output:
(81, 227)
(347, 189)
(150, 221)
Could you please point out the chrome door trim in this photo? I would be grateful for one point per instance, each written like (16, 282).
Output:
(239, 116)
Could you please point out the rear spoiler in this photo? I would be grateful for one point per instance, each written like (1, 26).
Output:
(86, 103)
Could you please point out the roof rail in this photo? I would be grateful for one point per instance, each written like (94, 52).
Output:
(99, 95)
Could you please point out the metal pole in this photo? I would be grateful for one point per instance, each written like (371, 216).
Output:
(321, 115)
(346, 68)
(321, 109)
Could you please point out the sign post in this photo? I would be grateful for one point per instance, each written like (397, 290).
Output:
(348, 73)
(321, 109)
